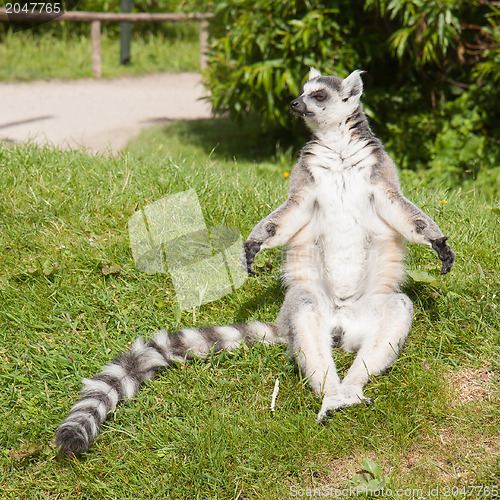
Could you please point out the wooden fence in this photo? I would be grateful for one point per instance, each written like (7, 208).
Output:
(96, 18)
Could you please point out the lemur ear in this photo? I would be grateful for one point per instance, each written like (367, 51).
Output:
(314, 73)
(352, 86)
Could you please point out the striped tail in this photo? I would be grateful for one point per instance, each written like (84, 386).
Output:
(121, 379)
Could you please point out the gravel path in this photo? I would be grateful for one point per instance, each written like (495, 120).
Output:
(99, 115)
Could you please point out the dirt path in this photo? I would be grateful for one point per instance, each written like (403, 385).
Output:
(99, 115)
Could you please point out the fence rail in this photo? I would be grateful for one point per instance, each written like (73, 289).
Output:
(96, 18)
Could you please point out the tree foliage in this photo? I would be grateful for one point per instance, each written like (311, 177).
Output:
(433, 70)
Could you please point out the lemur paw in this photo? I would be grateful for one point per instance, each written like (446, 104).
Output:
(335, 404)
(445, 253)
(250, 250)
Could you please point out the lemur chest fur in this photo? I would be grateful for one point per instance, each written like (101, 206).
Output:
(342, 192)
(339, 237)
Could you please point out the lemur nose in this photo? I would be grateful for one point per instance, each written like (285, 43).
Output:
(298, 106)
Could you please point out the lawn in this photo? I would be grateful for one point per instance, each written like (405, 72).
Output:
(72, 299)
(26, 56)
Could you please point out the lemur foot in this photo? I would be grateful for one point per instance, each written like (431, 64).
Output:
(335, 404)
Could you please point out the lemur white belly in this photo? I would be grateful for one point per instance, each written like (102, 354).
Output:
(336, 241)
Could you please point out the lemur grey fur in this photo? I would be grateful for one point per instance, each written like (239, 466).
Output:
(343, 223)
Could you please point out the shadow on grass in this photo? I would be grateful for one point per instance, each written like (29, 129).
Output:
(273, 293)
(225, 138)
(425, 295)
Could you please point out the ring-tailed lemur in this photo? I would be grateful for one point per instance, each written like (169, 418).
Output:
(343, 223)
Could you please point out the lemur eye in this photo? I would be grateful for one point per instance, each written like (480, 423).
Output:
(319, 95)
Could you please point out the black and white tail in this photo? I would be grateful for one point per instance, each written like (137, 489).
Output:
(121, 379)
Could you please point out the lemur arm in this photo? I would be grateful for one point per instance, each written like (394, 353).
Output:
(411, 222)
(279, 226)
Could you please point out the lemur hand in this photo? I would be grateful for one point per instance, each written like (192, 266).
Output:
(250, 250)
(445, 253)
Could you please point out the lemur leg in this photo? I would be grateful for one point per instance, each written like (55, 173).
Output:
(386, 324)
(305, 318)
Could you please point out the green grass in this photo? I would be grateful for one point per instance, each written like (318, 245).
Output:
(28, 56)
(205, 430)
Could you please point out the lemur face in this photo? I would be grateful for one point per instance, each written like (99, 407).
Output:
(328, 100)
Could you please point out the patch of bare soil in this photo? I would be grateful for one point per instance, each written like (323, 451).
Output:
(471, 385)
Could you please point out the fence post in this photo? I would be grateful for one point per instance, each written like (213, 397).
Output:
(125, 34)
(95, 37)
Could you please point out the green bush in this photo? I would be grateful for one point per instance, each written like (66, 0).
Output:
(432, 71)
(262, 49)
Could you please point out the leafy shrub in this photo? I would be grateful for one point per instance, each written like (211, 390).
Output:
(262, 49)
(432, 71)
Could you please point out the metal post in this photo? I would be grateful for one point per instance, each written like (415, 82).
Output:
(125, 34)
